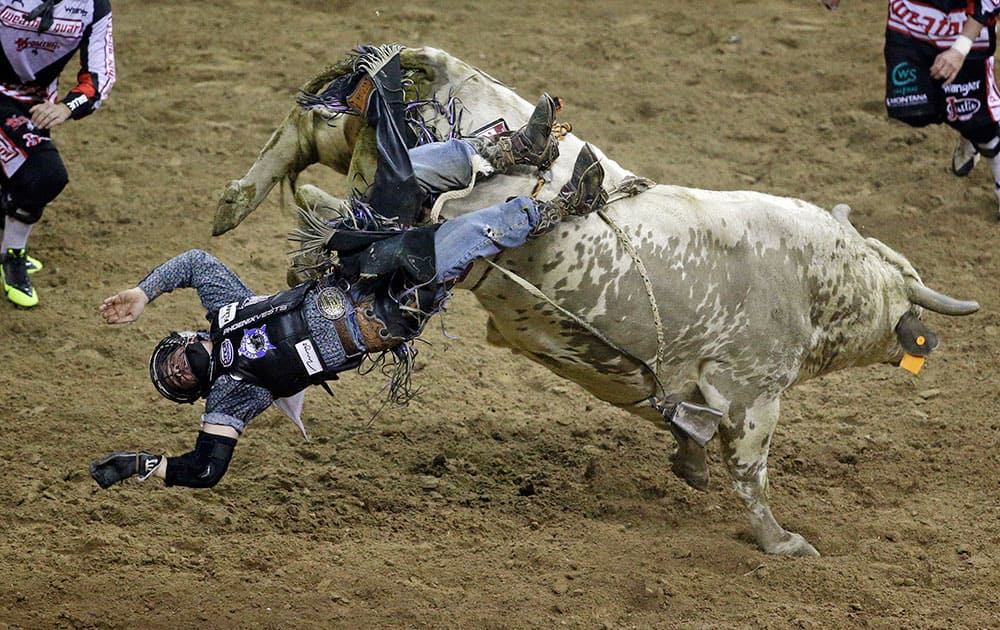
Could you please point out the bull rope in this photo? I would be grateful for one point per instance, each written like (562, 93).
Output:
(631, 187)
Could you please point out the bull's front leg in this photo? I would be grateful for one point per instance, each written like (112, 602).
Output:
(745, 438)
(274, 163)
(302, 138)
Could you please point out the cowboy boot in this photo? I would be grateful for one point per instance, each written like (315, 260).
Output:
(532, 144)
(582, 194)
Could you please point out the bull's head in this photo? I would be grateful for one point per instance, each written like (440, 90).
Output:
(914, 337)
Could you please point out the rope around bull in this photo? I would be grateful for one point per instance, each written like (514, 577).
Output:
(629, 187)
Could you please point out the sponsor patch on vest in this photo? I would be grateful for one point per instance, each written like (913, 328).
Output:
(307, 354)
(332, 302)
(227, 313)
(226, 353)
(255, 343)
(243, 323)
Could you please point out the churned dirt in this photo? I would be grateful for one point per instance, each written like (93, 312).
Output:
(503, 497)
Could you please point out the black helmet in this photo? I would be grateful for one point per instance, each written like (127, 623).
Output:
(163, 368)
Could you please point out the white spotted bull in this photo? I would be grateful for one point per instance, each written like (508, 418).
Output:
(674, 294)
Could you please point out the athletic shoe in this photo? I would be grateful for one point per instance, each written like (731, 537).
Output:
(964, 158)
(34, 264)
(16, 283)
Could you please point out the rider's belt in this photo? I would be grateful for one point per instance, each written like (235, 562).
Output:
(374, 333)
(346, 338)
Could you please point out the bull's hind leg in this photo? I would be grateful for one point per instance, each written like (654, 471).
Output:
(745, 438)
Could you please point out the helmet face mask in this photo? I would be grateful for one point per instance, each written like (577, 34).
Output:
(181, 367)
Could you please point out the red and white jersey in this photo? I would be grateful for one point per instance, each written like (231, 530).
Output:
(32, 61)
(939, 22)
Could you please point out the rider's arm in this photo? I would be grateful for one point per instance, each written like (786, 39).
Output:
(97, 65)
(230, 406)
(216, 284)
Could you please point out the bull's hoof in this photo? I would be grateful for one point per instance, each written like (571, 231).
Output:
(318, 200)
(695, 476)
(794, 545)
(234, 206)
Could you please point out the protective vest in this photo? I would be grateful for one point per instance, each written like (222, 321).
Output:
(265, 341)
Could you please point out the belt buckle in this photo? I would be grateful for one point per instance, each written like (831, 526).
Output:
(332, 303)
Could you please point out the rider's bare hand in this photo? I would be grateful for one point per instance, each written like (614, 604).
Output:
(124, 307)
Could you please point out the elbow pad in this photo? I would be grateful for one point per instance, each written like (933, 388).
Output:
(205, 465)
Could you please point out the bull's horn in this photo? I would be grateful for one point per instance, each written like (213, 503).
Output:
(841, 212)
(938, 302)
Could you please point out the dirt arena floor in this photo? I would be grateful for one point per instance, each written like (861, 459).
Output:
(504, 497)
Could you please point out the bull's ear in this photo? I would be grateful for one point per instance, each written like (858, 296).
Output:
(914, 336)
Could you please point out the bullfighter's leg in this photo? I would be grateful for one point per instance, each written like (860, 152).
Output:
(745, 438)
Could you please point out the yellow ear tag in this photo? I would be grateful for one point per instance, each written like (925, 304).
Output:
(911, 363)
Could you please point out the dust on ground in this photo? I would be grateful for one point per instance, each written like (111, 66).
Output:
(504, 496)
